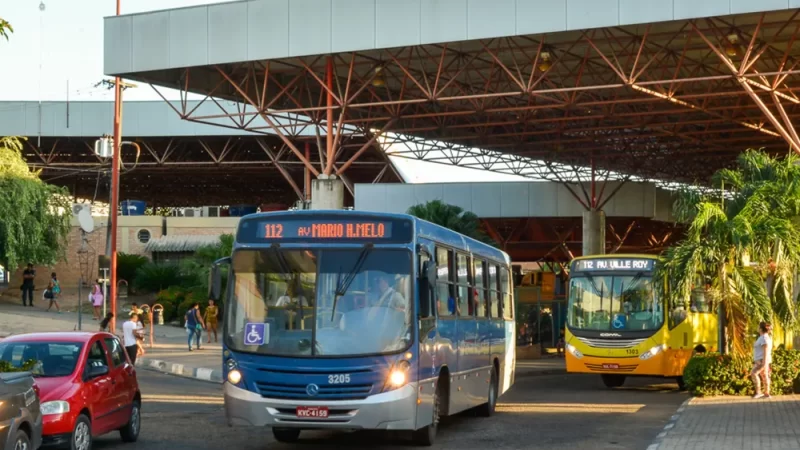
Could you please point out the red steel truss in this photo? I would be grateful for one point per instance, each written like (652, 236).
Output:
(196, 171)
(671, 101)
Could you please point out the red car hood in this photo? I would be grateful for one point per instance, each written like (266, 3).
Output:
(55, 388)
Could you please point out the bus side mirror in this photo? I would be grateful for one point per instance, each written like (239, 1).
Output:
(215, 279)
(426, 289)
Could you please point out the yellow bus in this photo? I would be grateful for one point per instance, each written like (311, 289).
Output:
(618, 326)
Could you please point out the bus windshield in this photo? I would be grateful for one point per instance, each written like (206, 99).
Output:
(614, 303)
(320, 302)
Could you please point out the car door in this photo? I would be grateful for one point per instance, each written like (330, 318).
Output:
(121, 373)
(99, 389)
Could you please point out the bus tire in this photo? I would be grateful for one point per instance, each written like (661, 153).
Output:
(681, 383)
(613, 381)
(487, 409)
(425, 436)
(286, 434)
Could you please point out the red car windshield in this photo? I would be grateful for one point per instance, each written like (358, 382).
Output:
(45, 359)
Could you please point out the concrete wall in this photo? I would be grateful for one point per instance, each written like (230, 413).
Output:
(515, 199)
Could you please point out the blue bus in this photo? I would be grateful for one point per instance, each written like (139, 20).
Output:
(351, 320)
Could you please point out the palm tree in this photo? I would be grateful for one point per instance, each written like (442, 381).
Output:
(756, 218)
(452, 217)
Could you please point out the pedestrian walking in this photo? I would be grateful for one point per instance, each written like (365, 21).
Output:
(27, 285)
(194, 325)
(52, 292)
(96, 299)
(762, 356)
(130, 330)
(106, 321)
(211, 317)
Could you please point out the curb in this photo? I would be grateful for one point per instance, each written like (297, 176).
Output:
(197, 373)
(669, 426)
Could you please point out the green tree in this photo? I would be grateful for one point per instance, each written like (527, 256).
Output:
(5, 28)
(34, 216)
(755, 220)
(452, 217)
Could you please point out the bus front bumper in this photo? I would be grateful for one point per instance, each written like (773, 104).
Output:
(393, 410)
(669, 363)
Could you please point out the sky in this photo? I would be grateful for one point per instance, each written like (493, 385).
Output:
(56, 52)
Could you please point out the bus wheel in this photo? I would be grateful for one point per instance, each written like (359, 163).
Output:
(613, 381)
(425, 436)
(681, 383)
(286, 434)
(487, 409)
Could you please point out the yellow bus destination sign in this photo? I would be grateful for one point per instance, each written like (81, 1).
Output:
(614, 264)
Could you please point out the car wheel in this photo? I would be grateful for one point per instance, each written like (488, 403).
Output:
(487, 409)
(130, 432)
(81, 434)
(22, 441)
(286, 434)
(426, 435)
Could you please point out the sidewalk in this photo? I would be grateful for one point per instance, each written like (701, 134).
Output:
(723, 423)
(170, 353)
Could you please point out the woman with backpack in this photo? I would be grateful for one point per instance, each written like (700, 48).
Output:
(52, 292)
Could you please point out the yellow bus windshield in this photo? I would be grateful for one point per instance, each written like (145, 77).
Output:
(620, 302)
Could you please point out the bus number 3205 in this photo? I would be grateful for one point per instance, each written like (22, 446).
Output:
(339, 379)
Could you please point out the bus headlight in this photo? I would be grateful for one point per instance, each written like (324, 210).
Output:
(398, 376)
(575, 352)
(234, 376)
(652, 352)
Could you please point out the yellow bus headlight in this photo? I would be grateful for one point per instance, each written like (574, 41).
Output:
(652, 352)
(574, 351)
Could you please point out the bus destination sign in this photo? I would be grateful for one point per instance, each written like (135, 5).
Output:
(328, 229)
(614, 264)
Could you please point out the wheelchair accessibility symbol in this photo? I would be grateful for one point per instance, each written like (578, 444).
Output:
(619, 322)
(255, 334)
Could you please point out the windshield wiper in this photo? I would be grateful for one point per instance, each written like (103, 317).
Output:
(343, 285)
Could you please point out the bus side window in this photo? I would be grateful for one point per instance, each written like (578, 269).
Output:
(677, 313)
(463, 282)
(508, 307)
(445, 292)
(494, 293)
(480, 287)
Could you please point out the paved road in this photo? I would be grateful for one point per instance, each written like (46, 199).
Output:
(561, 411)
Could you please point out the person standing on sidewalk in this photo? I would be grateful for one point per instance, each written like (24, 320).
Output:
(96, 299)
(129, 332)
(104, 323)
(194, 325)
(52, 292)
(211, 316)
(27, 285)
(762, 356)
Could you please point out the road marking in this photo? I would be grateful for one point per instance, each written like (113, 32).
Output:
(569, 408)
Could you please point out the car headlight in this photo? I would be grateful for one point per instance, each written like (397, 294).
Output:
(652, 352)
(234, 376)
(54, 407)
(398, 376)
(574, 351)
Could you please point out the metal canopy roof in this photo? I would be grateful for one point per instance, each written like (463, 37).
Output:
(669, 100)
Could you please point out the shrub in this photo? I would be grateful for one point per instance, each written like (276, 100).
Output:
(127, 265)
(714, 374)
(170, 298)
(153, 277)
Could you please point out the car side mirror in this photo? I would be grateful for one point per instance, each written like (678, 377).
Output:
(97, 371)
(426, 289)
(215, 279)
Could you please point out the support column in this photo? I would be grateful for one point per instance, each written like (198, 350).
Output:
(327, 192)
(594, 232)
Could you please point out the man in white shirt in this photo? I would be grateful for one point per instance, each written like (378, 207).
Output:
(129, 330)
(388, 296)
(762, 358)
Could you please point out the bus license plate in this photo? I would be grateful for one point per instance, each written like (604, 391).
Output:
(610, 366)
(313, 412)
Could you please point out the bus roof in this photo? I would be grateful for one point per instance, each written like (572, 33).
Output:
(424, 228)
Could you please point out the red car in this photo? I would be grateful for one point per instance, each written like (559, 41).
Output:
(87, 385)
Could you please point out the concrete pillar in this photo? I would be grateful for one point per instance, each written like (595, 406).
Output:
(327, 192)
(594, 233)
